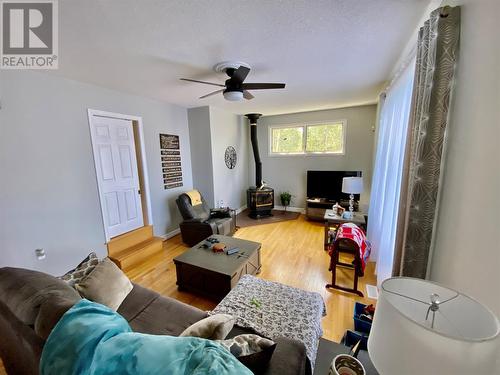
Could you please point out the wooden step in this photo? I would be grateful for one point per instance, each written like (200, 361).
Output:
(129, 239)
(149, 265)
(134, 255)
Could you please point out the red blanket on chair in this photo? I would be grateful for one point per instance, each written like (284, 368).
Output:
(356, 234)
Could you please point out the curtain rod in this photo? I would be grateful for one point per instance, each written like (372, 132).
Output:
(444, 12)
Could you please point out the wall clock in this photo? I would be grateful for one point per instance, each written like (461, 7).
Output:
(230, 157)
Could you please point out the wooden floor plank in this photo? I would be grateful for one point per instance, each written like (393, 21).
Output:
(292, 253)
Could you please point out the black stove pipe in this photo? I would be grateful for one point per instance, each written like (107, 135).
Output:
(253, 117)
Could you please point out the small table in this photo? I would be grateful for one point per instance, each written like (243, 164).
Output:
(328, 350)
(203, 271)
(332, 218)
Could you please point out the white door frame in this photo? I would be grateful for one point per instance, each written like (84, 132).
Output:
(136, 121)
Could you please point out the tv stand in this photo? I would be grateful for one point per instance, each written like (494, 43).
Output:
(315, 208)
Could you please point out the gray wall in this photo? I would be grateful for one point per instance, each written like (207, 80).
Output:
(211, 130)
(289, 172)
(201, 152)
(466, 258)
(48, 190)
(230, 185)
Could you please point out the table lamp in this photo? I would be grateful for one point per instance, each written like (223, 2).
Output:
(352, 185)
(421, 327)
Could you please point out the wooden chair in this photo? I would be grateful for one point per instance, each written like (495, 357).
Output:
(345, 245)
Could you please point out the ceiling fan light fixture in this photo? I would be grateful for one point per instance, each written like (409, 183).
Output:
(235, 88)
(233, 96)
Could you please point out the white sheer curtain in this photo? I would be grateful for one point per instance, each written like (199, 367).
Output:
(386, 182)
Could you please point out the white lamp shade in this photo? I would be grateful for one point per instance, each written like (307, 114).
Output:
(352, 185)
(464, 339)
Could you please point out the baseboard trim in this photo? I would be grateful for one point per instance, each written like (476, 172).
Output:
(241, 209)
(291, 209)
(170, 234)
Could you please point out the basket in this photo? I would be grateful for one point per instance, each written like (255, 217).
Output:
(359, 324)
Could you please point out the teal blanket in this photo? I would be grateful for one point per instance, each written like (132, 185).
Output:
(91, 339)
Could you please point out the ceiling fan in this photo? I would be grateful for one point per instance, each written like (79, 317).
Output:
(234, 88)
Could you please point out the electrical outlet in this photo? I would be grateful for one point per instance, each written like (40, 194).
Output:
(40, 254)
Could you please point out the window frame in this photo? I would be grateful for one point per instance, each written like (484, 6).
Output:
(305, 126)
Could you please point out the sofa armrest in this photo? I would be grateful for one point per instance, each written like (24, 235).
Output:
(289, 357)
(195, 231)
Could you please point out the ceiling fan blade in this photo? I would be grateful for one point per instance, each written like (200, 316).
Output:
(212, 93)
(240, 74)
(206, 83)
(262, 86)
(247, 95)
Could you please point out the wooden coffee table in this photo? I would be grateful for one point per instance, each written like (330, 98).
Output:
(213, 275)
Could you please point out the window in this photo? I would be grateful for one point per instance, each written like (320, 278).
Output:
(325, 138)
(288, 140)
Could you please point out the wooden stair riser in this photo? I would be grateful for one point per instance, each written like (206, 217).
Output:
(128, 240)
(138, 272)
(139, 255)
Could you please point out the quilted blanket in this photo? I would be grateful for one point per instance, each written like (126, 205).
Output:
(276, 310)
(354, 233)
(91, 339)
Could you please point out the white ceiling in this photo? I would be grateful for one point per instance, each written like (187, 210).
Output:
(330, 53)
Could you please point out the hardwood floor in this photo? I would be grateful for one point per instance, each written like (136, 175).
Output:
(292, 253)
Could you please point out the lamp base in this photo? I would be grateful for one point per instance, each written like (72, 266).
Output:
(351, 206)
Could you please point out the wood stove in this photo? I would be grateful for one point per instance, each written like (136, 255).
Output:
(260, 199)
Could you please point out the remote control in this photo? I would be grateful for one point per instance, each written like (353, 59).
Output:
(232, 251)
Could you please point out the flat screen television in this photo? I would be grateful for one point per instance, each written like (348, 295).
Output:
(328, 185)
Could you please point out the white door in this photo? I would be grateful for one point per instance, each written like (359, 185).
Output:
(117, 174)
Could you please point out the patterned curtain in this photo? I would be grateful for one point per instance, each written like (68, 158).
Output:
(437, 51)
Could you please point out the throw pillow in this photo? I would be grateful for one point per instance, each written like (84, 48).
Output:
(81, 271)
(214, 327)
(106, 284)
(253, 351)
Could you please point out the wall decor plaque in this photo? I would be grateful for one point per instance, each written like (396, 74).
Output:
(171, 162)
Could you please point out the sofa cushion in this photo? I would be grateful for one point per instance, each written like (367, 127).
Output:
(215, 327)
(166, 316)
(23, 291)
(106, 284)
(81, 271)
(136, 301)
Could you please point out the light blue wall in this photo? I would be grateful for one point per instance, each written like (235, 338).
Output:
(228, 129)
(48, 189)
(201, 152)
(211, 131)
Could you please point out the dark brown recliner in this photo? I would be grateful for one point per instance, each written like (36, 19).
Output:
(199, 223)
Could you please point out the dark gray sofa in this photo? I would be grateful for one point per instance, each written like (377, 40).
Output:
(32, 302)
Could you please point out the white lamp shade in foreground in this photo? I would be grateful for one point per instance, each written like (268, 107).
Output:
(464, 339)
(352, 185)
